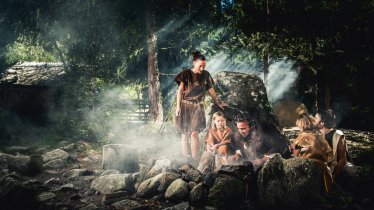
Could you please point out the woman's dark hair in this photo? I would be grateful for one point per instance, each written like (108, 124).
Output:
(196, 55)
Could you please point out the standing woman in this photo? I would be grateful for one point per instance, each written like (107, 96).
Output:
(193, 84)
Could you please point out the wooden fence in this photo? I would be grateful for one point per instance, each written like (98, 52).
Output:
(137, 112)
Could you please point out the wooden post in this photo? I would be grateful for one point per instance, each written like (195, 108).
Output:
(120, 157)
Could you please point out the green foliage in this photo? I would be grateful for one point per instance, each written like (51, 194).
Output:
(103, 44)
(25, 48)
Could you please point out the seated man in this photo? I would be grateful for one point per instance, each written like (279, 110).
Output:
(256, 142)
(325, 121)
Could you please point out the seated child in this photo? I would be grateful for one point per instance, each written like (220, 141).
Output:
(218, 137)
(311, 144)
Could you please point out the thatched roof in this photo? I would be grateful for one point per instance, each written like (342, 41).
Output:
(33, 73)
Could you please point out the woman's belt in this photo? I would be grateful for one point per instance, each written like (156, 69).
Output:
(192, 102)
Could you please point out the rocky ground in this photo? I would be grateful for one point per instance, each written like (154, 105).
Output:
(70, 176)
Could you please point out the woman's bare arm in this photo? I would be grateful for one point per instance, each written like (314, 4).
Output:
(213, 94)
(179, 99)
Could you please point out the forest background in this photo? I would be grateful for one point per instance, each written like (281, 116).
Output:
(319, 53)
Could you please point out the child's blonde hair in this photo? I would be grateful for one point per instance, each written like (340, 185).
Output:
(215, 115)
(306, 123)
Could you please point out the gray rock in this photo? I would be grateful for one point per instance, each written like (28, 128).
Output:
(91, 159)
(109, 171)
(181, 206)
(67, 187)
(244, 93)
(63, 143)
(4, 172)
(17, 149)
(291, 183)
(159, 167)
(143, 171)
(69, 147)
(21, 163)
(53, 181)
(80, 172)
(226, 191)
(113, 182)
(207, 162)
(82, 147)
(191, 185)
(127, 204)
(177, 191)
(209, 178)
(46, 196)
(57, 163)
(41, 149)
(158, 197)
(3, 163)
(108, 199)
(90, 206)
(55, 154)
(148, 188)
(99, 171)
(189, 173)
(16, 195)
(135, 176)
(89, 178)
(166, 179)
(239, 171)
(199, 195)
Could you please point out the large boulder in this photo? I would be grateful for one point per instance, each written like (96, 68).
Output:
(226, 192)
(54, 155)
(55, 159)
(291, 183)
(244, 93)
(177, 191)
(198, 195)
(25, 165)
(15, 194)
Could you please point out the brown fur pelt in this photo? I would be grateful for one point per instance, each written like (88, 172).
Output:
(313, 145)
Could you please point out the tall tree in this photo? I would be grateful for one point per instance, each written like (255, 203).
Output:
(154, 93)
(266, 51)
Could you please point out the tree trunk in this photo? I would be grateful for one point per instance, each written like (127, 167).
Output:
(266, 53)
(154, 93)
(315, 93)
(266, 71)
(327, 98)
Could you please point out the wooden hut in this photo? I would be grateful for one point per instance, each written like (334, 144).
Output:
(31, 89)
